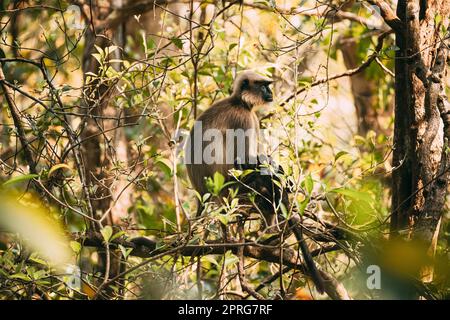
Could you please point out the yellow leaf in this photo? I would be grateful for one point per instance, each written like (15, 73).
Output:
(58, 166)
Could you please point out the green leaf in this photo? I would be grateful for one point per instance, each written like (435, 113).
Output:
(216, 184)
(110, 49)
(284, 211)
(309, 184)
(39, 274)
(360, 141)
(302, 205)
(125, 251)
(117, 235)
(76, 246)
(354, 194)
(205, 197)
(97, 57)
(99, 50)
(165, 165)
(223, 218)
(437, 19)
(218, 180)
(211, 260)
(231, 46)
(18, 179)
(177, 42)
(38, 260)
(340, 154)
(230, 259)
(107, 233)
(20, 276)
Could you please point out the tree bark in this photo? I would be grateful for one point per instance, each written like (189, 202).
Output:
(104, 142)
(420, 176)
(362, 89)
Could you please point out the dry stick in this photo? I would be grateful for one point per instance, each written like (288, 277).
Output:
(241, 272)
(195, 59)
(70, 133)
(175, 181)
(15, 114)
(73, 140)
(347, 73)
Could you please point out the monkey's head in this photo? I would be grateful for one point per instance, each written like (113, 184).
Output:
(252, 88)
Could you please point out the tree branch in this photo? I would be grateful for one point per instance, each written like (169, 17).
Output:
(347, 73)
(388, 15)
(15, 114)
(146, 248)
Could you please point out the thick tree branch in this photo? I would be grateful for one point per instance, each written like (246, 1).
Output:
(146, 248)
(388, 15)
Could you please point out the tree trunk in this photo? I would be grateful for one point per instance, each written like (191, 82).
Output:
(420, 175)
(104, 141)
(362, 89)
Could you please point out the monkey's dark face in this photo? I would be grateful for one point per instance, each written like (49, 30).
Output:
(266, 92)
(256, 92)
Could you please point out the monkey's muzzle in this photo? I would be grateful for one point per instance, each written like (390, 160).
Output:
(268, 98)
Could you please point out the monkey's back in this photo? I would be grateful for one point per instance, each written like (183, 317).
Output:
(223, 115)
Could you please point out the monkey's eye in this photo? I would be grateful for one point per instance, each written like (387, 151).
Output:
(266, 93)
(245, 84)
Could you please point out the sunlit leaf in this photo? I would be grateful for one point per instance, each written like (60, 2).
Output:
(125, 251)
(106, 232)
(58, 166)
(340, 154)
(230, 259)
(20, 276)
(76, 246)
(354, 194)
(21, 178)
(309, 184)
(117, 235)
(37, 228)
(165, 165)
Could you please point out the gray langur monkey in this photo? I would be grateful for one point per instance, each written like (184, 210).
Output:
(236, 114)
(235, 127)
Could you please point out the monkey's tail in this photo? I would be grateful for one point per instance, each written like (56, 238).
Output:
(313, 271)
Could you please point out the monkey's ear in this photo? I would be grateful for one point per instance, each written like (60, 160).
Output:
(245, 84)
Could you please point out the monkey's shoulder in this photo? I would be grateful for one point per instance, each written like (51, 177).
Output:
(229, 113)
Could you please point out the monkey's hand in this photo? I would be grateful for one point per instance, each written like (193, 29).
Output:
(143, 245)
